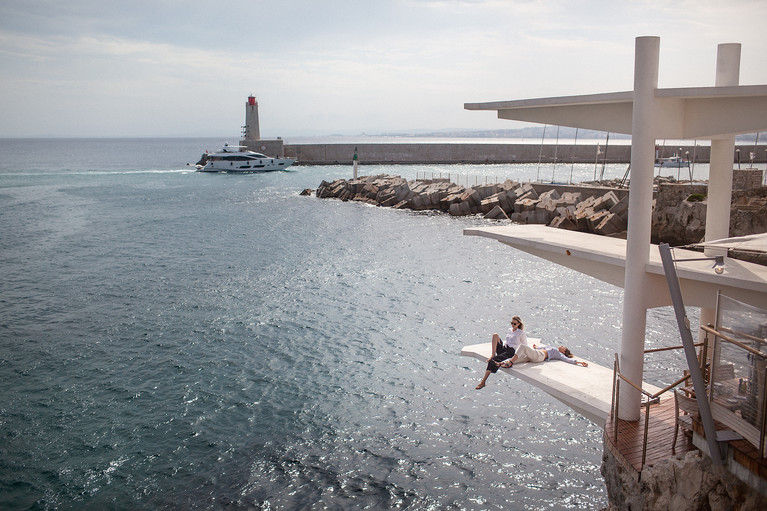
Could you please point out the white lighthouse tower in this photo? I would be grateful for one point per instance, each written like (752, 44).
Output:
(251, 133)
(251, 130)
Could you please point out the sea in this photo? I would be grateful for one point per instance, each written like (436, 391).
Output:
(171, 339)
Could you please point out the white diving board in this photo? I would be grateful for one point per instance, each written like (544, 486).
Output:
(587, 390)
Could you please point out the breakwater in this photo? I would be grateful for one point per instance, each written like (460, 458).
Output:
(598, 210)
(487, 153)
(678, 215)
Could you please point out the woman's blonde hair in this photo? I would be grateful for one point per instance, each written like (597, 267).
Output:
(516, 318)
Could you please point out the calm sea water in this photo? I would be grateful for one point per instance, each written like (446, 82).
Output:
(174, 340)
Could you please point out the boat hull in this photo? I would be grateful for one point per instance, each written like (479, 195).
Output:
(674, 162)
(259, 165)
(673, 165)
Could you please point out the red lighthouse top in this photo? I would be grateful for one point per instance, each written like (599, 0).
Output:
(251, 100)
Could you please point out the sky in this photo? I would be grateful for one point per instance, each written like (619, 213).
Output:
(172, 68)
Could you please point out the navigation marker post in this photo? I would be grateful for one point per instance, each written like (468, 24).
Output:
(354, 164)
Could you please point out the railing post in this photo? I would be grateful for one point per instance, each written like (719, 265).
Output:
(615, 374)
(646, 428)
(617, 384)
(711, 370)
(763, 429)
(704, 357)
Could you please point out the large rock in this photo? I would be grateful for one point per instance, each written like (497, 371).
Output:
(606, 201)
(460, 209)
(490, 203)
(526, 191)
(682, 224)
(506, 200)
(610, 225)
(526, 204)
(684, 483)
(497, 213)
(563, 222)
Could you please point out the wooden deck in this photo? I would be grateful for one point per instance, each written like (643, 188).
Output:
(743, 452)
(660, 436)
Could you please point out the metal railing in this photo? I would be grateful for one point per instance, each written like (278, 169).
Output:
(738, 402)
(649, 397)
(465, 180)
(737, 387)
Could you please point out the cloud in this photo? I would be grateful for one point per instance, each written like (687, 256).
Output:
(348, 65)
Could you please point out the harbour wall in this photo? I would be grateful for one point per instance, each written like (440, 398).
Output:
(487, 153)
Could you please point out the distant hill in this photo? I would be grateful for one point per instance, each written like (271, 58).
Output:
(537, 132)
(531, 132)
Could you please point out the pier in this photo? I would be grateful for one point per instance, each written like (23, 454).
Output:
(413, 153)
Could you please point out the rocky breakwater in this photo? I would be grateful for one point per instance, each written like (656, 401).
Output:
(587, 210)
(679, 215)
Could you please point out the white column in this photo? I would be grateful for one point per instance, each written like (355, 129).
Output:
(722, 151)
(646, 57)
(720, 168)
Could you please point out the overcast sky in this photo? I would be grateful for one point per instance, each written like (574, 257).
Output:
(85, 68)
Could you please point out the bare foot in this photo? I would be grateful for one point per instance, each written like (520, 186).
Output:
(480, 386)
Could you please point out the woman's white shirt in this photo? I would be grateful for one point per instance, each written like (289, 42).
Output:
(514, 338)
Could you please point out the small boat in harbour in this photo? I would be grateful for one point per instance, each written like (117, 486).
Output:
(238, 159)
(673, 162)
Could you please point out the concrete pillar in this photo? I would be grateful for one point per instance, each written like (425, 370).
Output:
(252, 129)
(722, 151)
(721, 164)
(646, 58)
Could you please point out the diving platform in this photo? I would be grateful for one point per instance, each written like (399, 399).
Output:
(587, 390)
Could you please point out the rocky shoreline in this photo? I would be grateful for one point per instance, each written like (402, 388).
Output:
(687, 482)
(598, 210)
(679, 211)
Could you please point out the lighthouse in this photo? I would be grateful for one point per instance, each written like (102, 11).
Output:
(251, 133)
(251, 130)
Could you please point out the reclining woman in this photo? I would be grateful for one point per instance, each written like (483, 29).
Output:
(515, 338)
(542, 354)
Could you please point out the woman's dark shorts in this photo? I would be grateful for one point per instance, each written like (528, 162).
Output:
(502, 354)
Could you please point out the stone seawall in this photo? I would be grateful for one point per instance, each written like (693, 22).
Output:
(679, 212)
(687, 482)
(479, 153)
(589, 209)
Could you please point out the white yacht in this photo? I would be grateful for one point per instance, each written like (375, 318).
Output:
(238, 159)
(673, 161)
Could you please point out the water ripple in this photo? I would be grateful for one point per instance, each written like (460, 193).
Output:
(190, 341)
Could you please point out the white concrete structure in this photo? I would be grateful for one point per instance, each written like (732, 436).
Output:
(649, 114)
(251, 130)
(587, 390)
